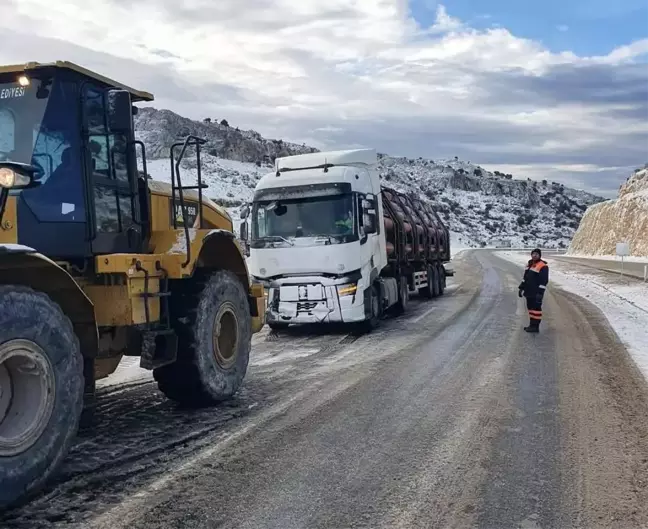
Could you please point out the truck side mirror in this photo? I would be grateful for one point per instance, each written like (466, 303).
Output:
(243, 231)
(245, 212)
(370, 222)
(369, 214)
(120, 111)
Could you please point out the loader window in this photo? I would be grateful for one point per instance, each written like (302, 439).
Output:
(56, 151)
(112, 179)
(7, 132)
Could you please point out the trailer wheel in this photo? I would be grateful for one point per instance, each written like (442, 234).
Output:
(214, 331)
(428, 291)
(442, 279)
(403, 296)
(41, 390)
(435, 282)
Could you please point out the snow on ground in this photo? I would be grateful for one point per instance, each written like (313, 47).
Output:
(629, 259)
(127, 371)
(623, 300)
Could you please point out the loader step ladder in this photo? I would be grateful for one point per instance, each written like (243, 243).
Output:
(158, 341)
(177, 189)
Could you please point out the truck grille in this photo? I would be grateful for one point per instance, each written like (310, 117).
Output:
(306, 306)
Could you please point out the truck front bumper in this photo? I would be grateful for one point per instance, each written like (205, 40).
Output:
(314, 303)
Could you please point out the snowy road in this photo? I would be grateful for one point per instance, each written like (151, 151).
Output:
(447, 416)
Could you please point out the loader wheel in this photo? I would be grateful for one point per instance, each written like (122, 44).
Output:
(215, 333)
(41, 390)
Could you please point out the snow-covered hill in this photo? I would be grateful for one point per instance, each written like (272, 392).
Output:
(480, 207)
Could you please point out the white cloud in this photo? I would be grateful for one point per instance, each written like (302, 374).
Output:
(340, 72)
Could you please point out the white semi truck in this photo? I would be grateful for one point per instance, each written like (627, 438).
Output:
(332, 245)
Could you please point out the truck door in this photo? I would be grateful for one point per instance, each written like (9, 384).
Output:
(111, 168)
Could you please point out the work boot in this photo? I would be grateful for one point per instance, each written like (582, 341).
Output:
(533, 326)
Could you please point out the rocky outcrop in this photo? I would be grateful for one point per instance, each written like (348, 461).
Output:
(624, 219)
(159, 129)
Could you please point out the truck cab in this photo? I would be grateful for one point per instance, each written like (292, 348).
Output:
(316, 237)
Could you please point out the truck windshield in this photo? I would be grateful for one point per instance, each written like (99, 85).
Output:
(330, 218)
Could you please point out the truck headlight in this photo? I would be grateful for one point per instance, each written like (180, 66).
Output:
(10, 179)
(347, 290)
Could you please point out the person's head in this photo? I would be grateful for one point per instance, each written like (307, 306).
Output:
(536, 254)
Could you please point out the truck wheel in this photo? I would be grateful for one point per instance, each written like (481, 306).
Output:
(373, 322)
(41, 390)
(403, 296)
(214, 339)
(442, 279)
(428, 291)
(435, 282)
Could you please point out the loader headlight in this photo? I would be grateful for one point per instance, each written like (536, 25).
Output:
(10, 179)
(347, 290)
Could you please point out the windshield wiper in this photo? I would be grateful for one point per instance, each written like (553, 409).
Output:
(327, 238)
(280, 238)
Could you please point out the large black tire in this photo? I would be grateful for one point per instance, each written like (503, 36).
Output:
(428, 291)
(374, 320)
(34, 332)
(442, 279)
(403, 296)
(208, 370)
(435, 282)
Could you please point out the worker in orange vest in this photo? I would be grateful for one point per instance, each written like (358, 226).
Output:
(533, 287)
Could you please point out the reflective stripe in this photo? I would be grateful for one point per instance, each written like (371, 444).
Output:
(542, 286)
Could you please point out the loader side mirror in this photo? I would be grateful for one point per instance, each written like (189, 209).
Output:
(120, 111)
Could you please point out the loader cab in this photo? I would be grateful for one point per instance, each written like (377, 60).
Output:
(75, 129)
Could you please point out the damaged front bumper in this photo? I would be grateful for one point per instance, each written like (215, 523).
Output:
(314, 302)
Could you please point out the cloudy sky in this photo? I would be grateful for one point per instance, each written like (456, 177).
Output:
(554, 89)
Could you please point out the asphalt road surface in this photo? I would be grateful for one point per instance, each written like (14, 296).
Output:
(448, 416)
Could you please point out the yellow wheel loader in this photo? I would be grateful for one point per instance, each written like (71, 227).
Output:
(97, 261)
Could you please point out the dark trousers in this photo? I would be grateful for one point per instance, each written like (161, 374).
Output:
(535, 311)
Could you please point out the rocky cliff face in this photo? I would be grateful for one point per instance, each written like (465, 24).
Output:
(480, 205)
(159, 129)
(624, 219)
